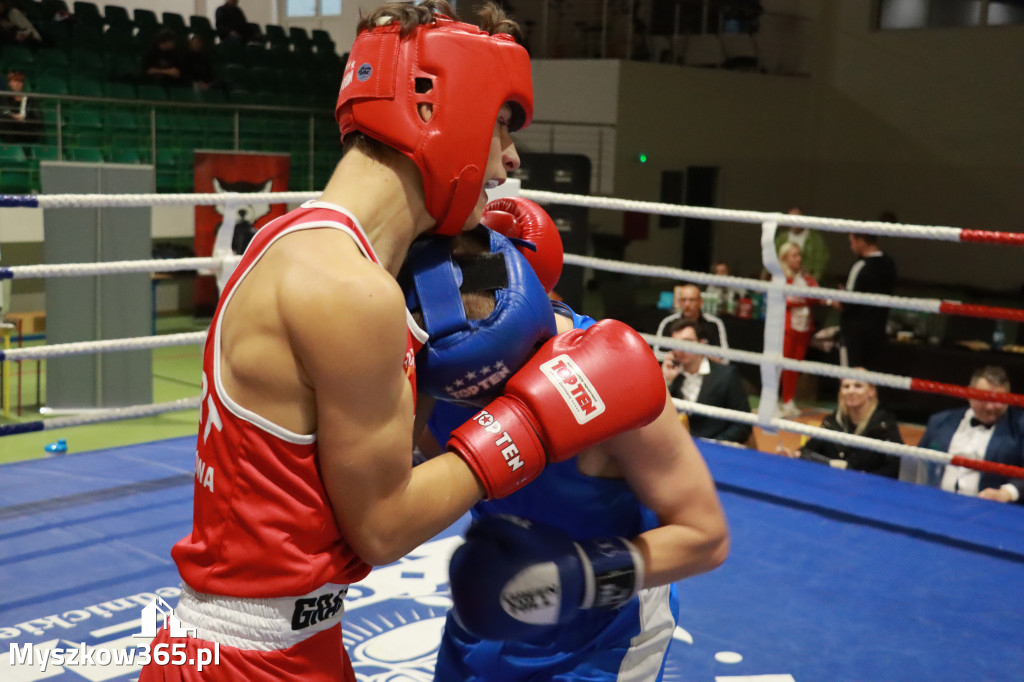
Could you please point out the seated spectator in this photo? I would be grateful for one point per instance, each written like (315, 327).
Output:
(162, 63)
(687, 300)
(231, 23)
(799, 323)
(812, 246)
(857, 413)
(15, 28)
(692, 377)
(20, 120)
(197, 67)
(984, 430)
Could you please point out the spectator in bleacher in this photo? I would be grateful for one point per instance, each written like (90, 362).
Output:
(984, 430)
(862, 327)
(162, 63)
(812, 246)
(857, 413)
(15, 28)
(799, 324)
(197, 67)
(20, 120)
(693, 377)
(232, 25)
(688, 302)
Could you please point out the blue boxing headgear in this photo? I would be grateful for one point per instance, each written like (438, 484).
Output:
(469, 360)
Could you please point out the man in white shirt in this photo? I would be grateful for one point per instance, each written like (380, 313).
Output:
(986, 430)
(691, 377)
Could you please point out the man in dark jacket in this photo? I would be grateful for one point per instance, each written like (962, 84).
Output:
(985, 430)
(692, 377)
(863, 326)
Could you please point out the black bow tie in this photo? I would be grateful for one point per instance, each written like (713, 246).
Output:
(976, 422)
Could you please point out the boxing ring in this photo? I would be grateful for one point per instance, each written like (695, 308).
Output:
(833, 575)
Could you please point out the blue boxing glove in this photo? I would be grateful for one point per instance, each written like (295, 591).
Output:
(514, 575)
(468, 358)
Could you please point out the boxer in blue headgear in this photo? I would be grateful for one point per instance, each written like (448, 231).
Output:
(639, 506)
(484, 309)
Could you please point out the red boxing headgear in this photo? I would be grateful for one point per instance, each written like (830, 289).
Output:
(471, 75)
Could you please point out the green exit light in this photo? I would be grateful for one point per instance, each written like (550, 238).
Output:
(643, 158)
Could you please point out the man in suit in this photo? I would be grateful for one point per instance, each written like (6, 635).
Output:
(692, 377)
(985, 430)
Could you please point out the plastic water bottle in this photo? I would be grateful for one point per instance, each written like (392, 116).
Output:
(999, 335)
(58, 448)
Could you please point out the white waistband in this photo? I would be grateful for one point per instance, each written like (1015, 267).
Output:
(261, 624)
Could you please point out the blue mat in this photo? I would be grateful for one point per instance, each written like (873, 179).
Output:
(833, 575)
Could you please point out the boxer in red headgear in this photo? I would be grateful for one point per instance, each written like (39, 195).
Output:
(304, 477)
(434, 95)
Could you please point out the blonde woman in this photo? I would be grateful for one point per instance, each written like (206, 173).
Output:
(799, 323)
(857, 413)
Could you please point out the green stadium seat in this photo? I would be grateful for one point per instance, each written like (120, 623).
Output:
(213, 96)
(297, 36)
(181, 93)
(17, 58)
(152, 91)
(83, 126)
(86, 154)
(117, 17)
(87, 13)
(52, 85)
(201, 25)
(146, 20)
(43, 152)
(15, 170)
(86, 86)
(119, 90)
(52, 62)
(275, 35)
(125, 155)
(55, 34)
(87, 64)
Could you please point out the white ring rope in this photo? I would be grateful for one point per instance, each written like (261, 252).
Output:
(804, 366)
(884, 447)
(118, 413)
(924, 305)
(148, 200)
(118, 267)
(937, 232)
(57, 350)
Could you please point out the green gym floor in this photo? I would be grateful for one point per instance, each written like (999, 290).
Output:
(176, 374)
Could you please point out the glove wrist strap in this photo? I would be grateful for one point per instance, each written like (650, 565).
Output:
(614, 572)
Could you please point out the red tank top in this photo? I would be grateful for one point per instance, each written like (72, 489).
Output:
(262, 522)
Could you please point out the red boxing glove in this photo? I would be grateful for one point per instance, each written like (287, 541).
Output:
(520, 218)
(580, 388)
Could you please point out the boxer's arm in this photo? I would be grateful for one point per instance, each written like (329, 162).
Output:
(668, 474)
(666, 471)
(352, 351)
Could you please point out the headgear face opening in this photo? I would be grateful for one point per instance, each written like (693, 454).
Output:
(469, 359)
(471, 75)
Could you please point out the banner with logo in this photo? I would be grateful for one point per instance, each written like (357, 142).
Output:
(218, 171)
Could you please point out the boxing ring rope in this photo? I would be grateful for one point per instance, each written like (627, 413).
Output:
(770, 361)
